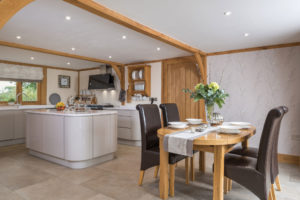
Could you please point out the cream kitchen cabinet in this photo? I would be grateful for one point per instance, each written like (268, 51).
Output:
(129, 131)
(6, 125)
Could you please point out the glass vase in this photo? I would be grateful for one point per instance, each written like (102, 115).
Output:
(209, 112)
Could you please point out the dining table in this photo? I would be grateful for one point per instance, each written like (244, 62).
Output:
(217, 143)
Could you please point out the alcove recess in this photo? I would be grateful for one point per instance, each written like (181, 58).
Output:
(146, 79)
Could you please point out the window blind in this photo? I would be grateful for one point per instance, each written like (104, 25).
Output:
(20, 73)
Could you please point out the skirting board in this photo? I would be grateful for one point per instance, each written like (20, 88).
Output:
(130, 142)
(12, 142)
(73, 164)
(290, 159)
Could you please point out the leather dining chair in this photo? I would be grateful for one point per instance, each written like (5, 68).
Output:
(150, 122)
(255, 173)
(170, 113)
(253, 152)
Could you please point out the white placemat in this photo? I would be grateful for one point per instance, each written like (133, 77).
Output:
(181, 142)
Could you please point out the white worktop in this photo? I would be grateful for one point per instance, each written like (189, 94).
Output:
(25, 107)
(71, 113)
(127, 107)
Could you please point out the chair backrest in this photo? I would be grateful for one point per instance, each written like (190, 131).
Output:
(170, 113)
(274, 167)
(267, 140)
(150, 123)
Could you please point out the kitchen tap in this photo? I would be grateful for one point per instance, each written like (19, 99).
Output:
(17, 97)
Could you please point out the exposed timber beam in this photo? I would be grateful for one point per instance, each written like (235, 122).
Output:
(111, 15)
(58, 53)
(8, 8)
(201, 67)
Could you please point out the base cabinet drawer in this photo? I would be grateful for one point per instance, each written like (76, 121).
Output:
(124, 133)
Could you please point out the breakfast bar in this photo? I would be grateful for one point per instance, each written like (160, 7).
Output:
(72, 139)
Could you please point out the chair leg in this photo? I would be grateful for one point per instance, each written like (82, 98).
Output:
(156, 171)
(270, 195)
(229, 184)
(172, 179)
(187, 173)
(192, 169)
(273, 192)
(277, 183)
(142, 172)
(226, 185)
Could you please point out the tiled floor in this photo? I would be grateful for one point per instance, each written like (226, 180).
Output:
(25, 177)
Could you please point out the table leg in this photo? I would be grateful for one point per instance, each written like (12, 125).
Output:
(164, 175)
(202, 161)
(245, 144)
(219, 153)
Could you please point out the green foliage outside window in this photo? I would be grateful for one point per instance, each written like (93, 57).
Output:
(29, 91)
(8, 91)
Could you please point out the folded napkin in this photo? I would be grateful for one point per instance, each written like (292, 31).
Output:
(181, 142)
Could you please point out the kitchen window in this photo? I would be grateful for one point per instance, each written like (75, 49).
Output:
(26, 92)
(8, 91)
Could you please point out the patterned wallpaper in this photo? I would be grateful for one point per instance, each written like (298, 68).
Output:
(258, 81)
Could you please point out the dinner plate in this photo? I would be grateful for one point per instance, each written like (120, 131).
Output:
(243, 125)
(134, 75)
(141, 74)
(178, 124)
(194, 121)
(230, 129)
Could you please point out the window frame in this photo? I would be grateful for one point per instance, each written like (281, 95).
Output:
(19, 89)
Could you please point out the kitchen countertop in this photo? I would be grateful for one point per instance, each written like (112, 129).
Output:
(71, 113)
(121, 108)
(25, 107)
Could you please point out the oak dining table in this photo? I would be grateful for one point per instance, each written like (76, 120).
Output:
(217, 143)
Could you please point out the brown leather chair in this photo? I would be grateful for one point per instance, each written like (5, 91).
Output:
(150, 123)
(253, 152)
(170, 113)
(255, 173)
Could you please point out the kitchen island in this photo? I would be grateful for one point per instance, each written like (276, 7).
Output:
(73, 139)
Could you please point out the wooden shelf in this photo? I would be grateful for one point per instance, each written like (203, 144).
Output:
(146, 80)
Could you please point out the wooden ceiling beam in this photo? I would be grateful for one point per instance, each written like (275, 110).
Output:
(8, 8)
(57, 53)
(111, 15)
(201, 67)
(36, 65)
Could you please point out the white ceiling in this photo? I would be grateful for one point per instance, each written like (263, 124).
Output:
(42, 24)
(199, 23)
(20, 55)
(202, 24)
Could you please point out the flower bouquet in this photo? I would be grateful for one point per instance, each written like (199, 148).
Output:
(211, 93)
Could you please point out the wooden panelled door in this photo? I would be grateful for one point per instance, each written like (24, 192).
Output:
(178, 74)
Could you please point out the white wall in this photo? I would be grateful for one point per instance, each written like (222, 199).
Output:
(52, 84)
(155, 83)
(103, 96)
(258, 81)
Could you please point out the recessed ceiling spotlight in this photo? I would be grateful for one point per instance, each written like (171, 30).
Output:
(68, 63)
(18, 37)
(31, 58)
(227, 13)
(110, 57)
(73, 49)
(246, 34)
(158, 48)
(124, 37)
(68, 18)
